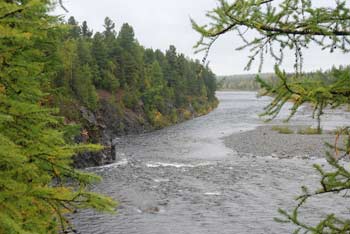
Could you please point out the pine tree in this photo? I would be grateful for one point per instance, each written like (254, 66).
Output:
(126, 37)
(109, 28)
(75, 29)
(38, 187)
(153, 88)
(85, 31)
(277, 26)
(109, 81)
(100, 55)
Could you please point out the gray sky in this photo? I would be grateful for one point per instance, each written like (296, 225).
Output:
(159, 23)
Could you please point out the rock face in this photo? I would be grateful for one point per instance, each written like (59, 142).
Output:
(91, 159)
(102, 127)
(107, 123)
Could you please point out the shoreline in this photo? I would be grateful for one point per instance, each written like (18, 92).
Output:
(108, 131)
(263, 141)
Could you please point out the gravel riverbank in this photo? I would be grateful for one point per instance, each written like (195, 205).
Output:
(263, 141)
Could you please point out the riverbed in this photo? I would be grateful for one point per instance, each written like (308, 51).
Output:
(185, 179)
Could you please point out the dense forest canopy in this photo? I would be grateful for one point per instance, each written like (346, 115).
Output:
(159, 83)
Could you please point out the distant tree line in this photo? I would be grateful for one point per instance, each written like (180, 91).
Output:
(249, 82)
(244, 82)
(326, 77)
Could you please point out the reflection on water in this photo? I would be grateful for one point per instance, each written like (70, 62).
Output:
(183, 179)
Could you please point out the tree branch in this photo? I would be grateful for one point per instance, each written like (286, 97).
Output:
(18, 10)
(62, 6)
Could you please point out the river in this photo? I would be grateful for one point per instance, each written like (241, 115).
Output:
(183, 179)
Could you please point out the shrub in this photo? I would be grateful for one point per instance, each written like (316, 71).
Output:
(310, 131)
(282, 129)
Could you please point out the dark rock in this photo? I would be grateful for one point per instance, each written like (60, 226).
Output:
(104, 126)
(88, 115)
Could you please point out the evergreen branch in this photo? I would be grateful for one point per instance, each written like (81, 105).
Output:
(59, 214)
(283, 31)
(62, 6)
(18, 10)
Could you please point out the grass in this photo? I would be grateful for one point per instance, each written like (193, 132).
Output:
(309, 131)
(282, 129)
(341, 131)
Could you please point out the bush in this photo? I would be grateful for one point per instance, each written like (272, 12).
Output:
(186, 114)
(310, 131)
(157, 119)
(130, 100)
(282, 129)
(174, 118)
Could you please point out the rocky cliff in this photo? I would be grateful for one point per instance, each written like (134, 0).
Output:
(108, 122)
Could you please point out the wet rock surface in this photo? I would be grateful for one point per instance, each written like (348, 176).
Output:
(103, 127)
(106, 124)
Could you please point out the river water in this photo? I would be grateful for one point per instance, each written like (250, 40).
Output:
(182, 179)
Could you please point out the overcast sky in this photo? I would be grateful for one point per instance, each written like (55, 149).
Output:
(160, 23)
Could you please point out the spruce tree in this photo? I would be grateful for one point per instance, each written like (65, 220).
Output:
(75, 30)
(38, 186)
(126, 37)
(109, 26)
(85, 31)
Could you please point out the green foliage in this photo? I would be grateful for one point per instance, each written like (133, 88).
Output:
(130, 100)
(326, 25)
(282, 129)
(307, 89)
(244, 82)
(38, 187)
(75, 30)
(271, 27)
(335, 181)
(109, 28)
(109, 81)
(157, 119)
(76, 75)
(126, 37)
(85, 31)
(309, 131)
(136, 78)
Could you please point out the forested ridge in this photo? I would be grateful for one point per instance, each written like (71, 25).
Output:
(110, 85)
(161, 88)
